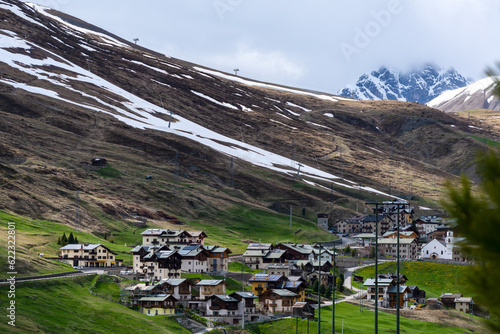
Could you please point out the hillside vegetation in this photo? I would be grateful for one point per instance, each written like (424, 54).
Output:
(434, 278)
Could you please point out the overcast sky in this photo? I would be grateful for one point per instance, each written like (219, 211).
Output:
(318, 44)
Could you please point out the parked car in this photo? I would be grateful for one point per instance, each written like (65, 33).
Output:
(78, 267)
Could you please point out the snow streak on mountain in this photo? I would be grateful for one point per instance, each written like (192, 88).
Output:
(478, 95)
(421, 85)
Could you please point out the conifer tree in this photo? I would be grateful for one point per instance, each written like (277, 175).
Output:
(64, 240)
(71, 239)
(477, 215)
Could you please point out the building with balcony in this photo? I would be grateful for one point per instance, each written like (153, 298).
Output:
(278, 300)
(89, 255)
(211, 287)
(157, 305)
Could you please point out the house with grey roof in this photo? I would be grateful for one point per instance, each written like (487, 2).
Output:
(246, 305)
(211, 287)
(89, 255)
(157, 305)
(278, 301)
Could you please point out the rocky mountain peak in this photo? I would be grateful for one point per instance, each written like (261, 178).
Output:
(418, 85)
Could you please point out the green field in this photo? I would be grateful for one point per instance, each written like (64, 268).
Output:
(351, 320)
(66, 306)
(40, 236)
(240, 267)
(434, 278)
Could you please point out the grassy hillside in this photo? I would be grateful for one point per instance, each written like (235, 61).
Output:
(65, 306)
(40, 236)
(434, 278)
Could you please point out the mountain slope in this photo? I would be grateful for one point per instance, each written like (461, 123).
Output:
(212, 142)
(419, 85)
(478, 95)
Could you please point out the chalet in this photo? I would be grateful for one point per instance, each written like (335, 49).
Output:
(278, 300)
(158, 305)
(222, 305)
(284, 269)
(402, 278)
(254, 258)
(161, 265)
(382, 294)
(303, 310)
(326, 278)
(180, 288)
(217, 259)
(427, 224)
(194, 258)
(326, 254)
(246, 305)
(295, 251)
(385, 222)
(352, 225)
(404, 292)
(274, 256)
(310, 266)
(448, 299)
(298, 287)
(197, 237)
(416, 295)
(407, 247)
(139, 252)
(464, 304)
(264, 282)
(90, 255)
(211, 287)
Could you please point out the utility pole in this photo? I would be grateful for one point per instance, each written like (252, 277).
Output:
(333, 290)
(77, 211)
(319, 295)
(236, 70)
(398, 205)
(291, 215)
(232, 174)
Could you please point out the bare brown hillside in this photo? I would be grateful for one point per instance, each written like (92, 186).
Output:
(46, 143)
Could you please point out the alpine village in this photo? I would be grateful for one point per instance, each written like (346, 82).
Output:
(146, 194)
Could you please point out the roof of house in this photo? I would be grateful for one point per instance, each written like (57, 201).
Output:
(380, 281)
(225, 298)
(284, 293)
(162, 232)
(463, 300)
(405, 241)
(281, 266)
(245, 294)
(173, 281)
(196, 234)
(300, 304)
(292, 284)
(373, 218)
(210, 282)
(303, 249)
(258, 246)
(265, 278)
(393, 289)
(450, 295)
(275, 254)
(294, 278)
(81, 246)
(256, 253)
(157, 298)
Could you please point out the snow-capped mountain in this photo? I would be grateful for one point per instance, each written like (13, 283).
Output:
(478, 95)
(420, 85)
